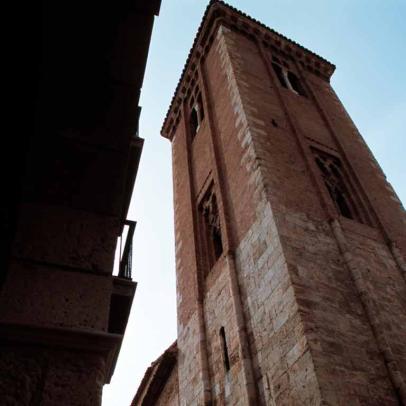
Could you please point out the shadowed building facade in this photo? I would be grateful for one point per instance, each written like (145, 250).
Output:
(290, 243)
(71, 159)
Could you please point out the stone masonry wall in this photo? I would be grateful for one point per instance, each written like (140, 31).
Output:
(385, 284)
(189, 367)
(51, 297)
(337, 329)
(310, 334)
(227, 386)
(170, 393)
(274, 324)
(31, 376)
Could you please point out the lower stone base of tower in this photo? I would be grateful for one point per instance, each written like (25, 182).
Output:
(44, 366)
(32, 377)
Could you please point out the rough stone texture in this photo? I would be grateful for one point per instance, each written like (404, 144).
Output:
(185, 248)
(189, 369)
(51, 297)
(60, 235)
(276, 331)
(319, 283)
(32, 376)
(188, 339)
(68, 177)
(323, 297)
(218, 306)
(170, 393)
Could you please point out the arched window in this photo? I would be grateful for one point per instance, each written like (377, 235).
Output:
(287, 78)
(211, 236)
(194, 121)
(332, 173)
(196, 115)
(279, 71)
(295, 84)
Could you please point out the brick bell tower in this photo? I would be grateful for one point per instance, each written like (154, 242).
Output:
(290, 243)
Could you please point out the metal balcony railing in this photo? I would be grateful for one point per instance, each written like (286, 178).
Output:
(125, 266)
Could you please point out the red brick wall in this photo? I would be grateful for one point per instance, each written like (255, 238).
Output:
(312, 335)
(329, 304)
(188, 326)
(373, 181)
(185, 248)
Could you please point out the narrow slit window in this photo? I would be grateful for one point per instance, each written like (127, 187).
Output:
(226, 358)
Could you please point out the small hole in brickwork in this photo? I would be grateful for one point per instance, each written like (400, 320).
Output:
(274, 123)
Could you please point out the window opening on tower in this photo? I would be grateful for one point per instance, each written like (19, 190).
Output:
(196, 114)
(337, 184)
(194, 121)
(212, 238)
(287, 78)
(226, 358)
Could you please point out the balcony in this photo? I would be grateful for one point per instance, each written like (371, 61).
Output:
(123, 262)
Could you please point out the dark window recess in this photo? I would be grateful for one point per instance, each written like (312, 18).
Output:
(279, 73)
(212, 239)
(196, 115)
(276, 60)
(338, 187)
(201, 109)
(287, 78)
(295, 83)
(194, 122)
(226, 358)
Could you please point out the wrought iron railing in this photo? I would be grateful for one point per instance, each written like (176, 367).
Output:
(126, 254)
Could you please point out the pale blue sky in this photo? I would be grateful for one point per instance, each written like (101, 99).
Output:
(365, 39)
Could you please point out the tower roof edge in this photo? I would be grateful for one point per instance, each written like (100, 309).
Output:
(216, 10)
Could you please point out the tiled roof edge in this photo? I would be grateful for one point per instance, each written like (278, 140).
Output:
(168, 356)
(211, 4)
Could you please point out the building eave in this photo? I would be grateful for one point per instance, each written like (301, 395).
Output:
(220, 13)
(156, 376)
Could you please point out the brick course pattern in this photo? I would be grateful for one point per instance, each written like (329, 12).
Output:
(313, 304)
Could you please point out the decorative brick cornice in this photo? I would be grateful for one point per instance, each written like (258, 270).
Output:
(219, 13)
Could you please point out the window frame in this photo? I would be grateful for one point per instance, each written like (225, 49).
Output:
(343, 185)
(287, 78)
(209, 248)
(196, 113)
